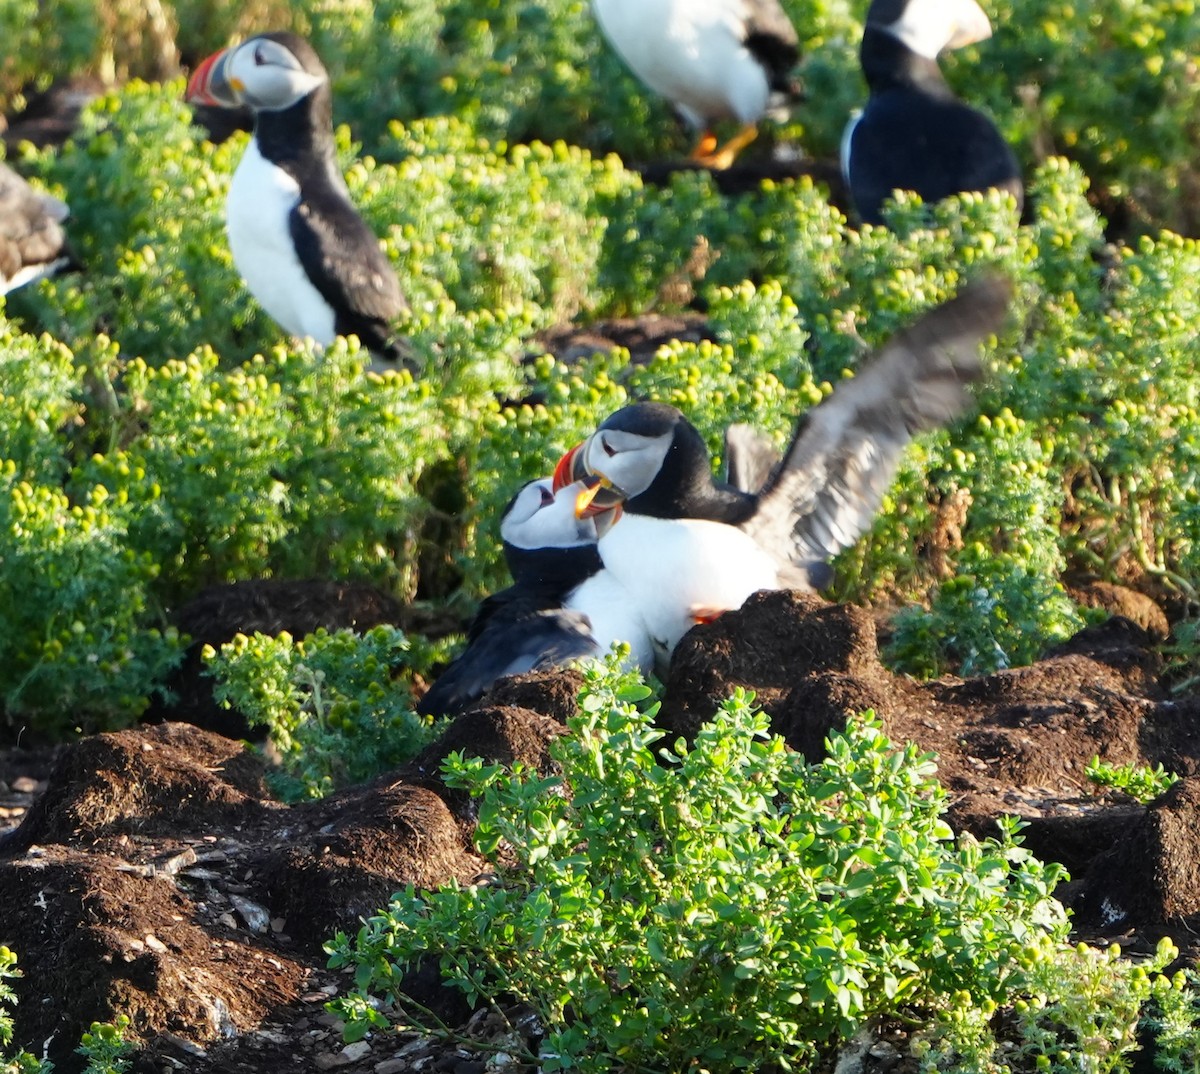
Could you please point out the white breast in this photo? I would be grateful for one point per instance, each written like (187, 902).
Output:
(679, 571)
(691, 52)
(261, 197)
(614, 616)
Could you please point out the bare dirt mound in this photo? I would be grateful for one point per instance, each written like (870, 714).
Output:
(154, 876)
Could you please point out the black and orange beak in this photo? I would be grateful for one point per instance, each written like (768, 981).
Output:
(585, 500)
(210, 83)
(564, 472)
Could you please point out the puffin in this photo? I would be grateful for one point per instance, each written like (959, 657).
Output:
(304, 251)
(711, 59)
(688, 548)
(562, 605)
(914, 133)
(33, 244)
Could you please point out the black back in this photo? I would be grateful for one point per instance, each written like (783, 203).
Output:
(915, 134)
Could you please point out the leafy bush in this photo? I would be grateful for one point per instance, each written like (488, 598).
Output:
(736, 901)
(1140, 782)
(333, 705)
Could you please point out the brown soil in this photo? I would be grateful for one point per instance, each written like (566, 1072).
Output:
(151, 873)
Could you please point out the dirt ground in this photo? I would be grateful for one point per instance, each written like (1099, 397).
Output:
(149, 872)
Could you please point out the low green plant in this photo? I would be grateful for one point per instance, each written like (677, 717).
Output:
(105, 1048)
(733, 901)
(1141, 782)
(335, 706)
(22, 1062)
(1083, 1010)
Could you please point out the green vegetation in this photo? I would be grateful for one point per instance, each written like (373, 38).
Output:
(159, 435)
(732, 900)
(334, 705)
(1140, 782)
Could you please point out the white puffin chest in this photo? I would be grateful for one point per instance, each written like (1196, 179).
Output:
(261, 199)
(681, 571)
(613, 616)
(690, 51)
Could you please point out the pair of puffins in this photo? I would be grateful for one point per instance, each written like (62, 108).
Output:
(632, 540)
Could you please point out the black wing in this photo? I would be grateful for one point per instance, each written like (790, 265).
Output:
(343, 259)
(772, 38)
(846, 450)
(32, 242)
(514, 638)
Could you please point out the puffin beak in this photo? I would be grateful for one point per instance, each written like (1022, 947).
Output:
(210, 83)
(564, 472)
(970, 26)
(592, 486)
(606, 519)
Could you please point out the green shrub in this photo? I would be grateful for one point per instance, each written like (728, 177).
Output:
(736, 901)
(1141, 782)
(335, 706)
(75, 650)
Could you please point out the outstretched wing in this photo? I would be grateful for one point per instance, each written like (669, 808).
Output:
(845, 451)
(750, 456)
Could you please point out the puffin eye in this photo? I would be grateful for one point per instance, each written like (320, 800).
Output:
(259, 57)
(547, 496)
(609, 451)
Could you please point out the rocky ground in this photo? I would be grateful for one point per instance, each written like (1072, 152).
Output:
(149, 872)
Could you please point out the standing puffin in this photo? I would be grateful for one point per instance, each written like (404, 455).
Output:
(299, 243)
(914, 133)
(687, 548)
(561, 606)
(32, 243)
(712, 59)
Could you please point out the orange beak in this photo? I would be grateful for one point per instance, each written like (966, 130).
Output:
(592, 486)
(211, 85)
(564, 472)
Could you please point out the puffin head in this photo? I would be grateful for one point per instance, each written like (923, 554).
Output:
(928, 27)
(540, 516)
(635, 449)
(267, 73)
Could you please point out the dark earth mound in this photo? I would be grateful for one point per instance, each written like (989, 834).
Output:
(151, 874)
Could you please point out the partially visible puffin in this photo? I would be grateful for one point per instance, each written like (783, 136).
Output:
(299, 243)
(914, 133)
(712, 59)
(32, 242)
(561, 606)
(688, 548)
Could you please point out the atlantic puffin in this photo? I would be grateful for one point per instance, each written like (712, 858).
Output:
(914, 133)
(688, 548)
(296, 238)
(711, 59)
(561, 606)
(33, 244)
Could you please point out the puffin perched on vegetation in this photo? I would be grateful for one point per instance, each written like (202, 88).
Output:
(914, 133)
(299, 243)
(32, 242)
(687, 549)
(712, 59)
